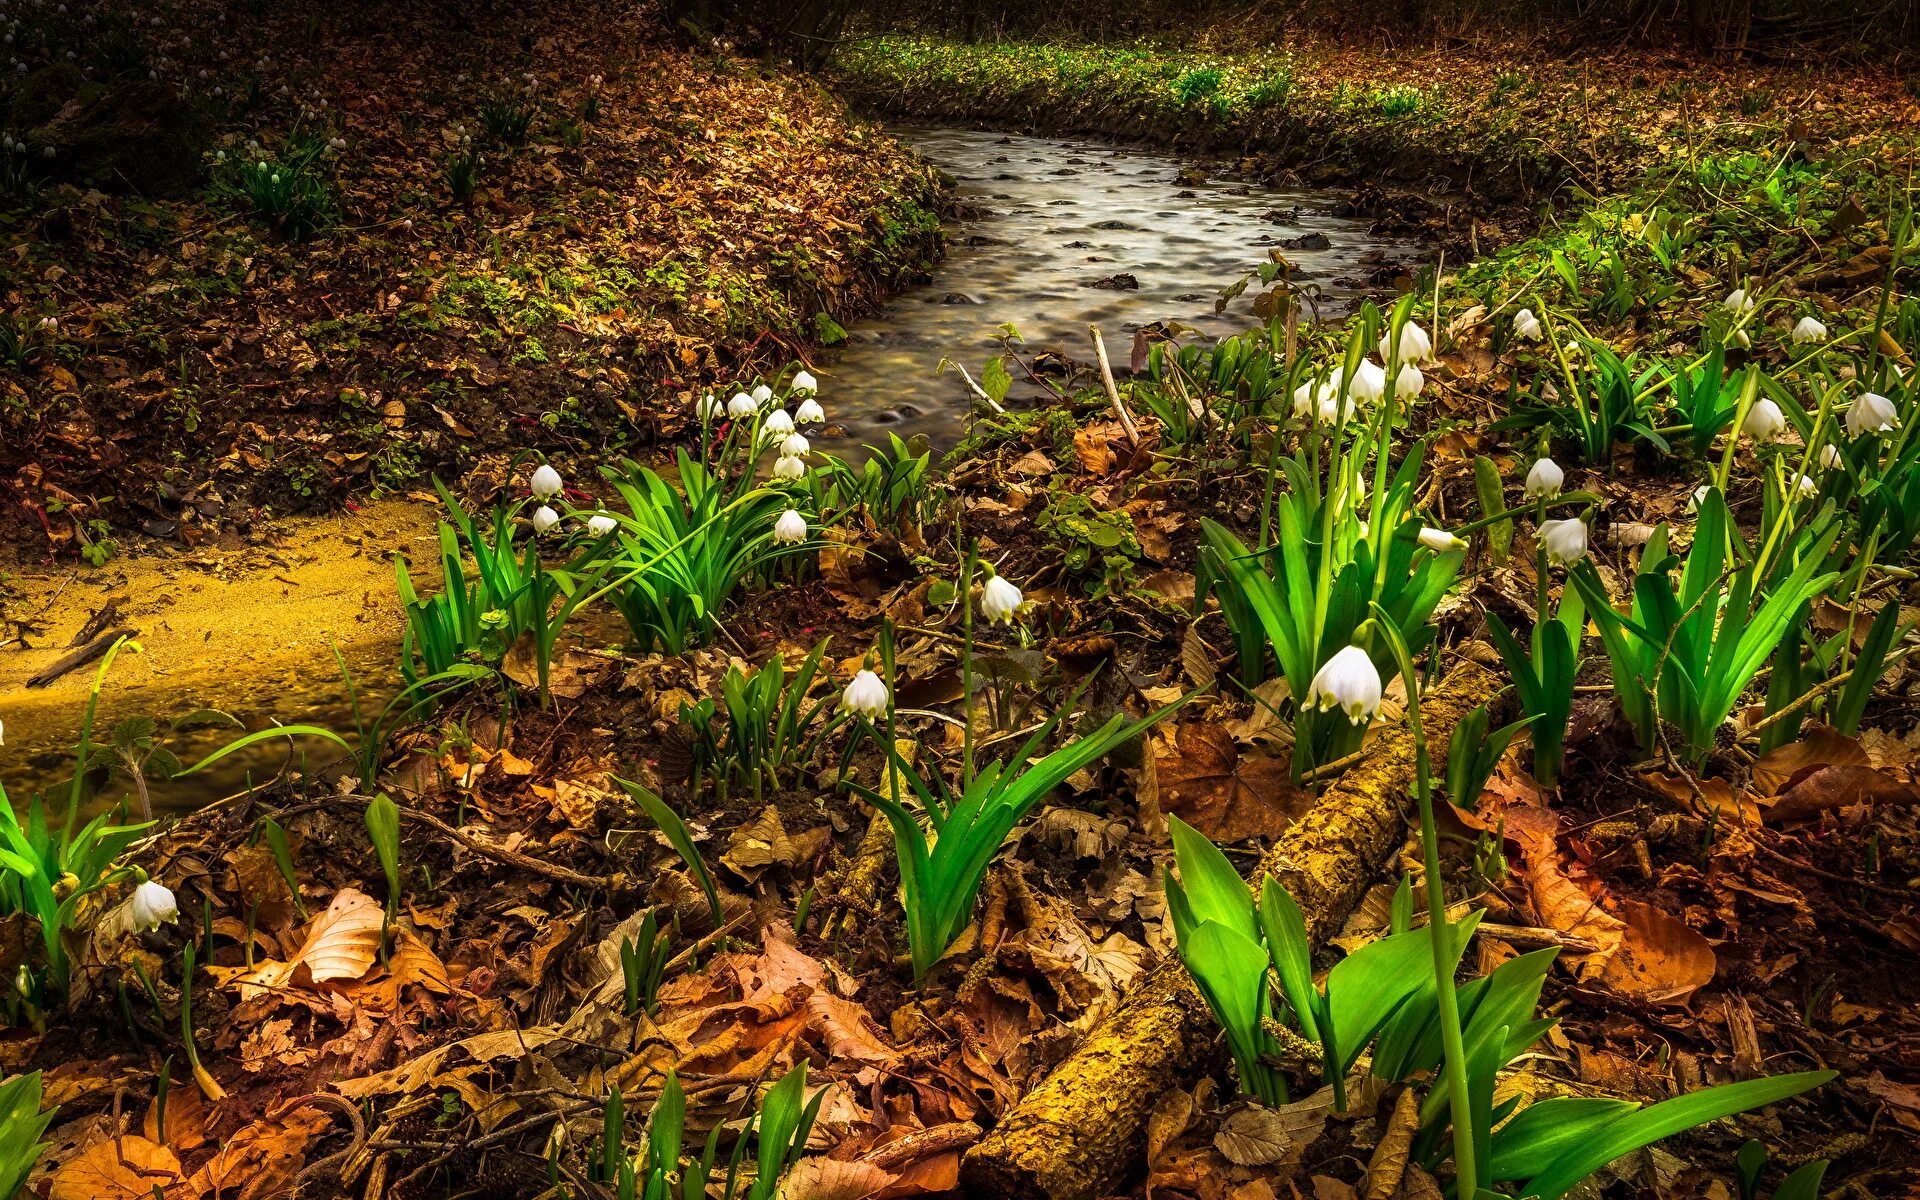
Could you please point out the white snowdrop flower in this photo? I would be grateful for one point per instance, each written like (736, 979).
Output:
(779, 423)
(1313, 394)
(1369, 381)
(762, 394)
(999, 599)
(790, 528)
(1544, 480)
(742, 405)
(1805, 486)
(1566, 540)
(1415, 345)
(866, 695)
(1409, 381)
(1526, 326)
(1350, 683)
(1872, 413)
(1737, 302)
(787, 468)
(1808, 329)
(709, 407)
(1766, 422)
(1332, 410)
(1831, 458)
(546, 482)
(1742, 339)
(50, 324)
(804, 384)
(544, 518)
(796, 445)
(154, 906)
(809, 412)
(601, 523)
(1439, 540)
(1699, 497)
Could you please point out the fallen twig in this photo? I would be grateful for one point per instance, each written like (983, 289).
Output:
(1113, 390)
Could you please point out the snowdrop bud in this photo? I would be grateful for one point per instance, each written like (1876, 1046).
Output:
(710, 407)
(1415, 345)
(1526, 326)
(1544, 480)
(999, 600)
(1566, 540)
(809, 412)
(1369, 381)
(1809, 329)
(787, 468)
(545, 482)
(796, 446)
(1765, 421)
(1349, 683)
(1737, 302)
(601, 523)
(154, 906)
(544, 518)
(741, 405)
(804, 384)
(1407, 384)
(762, 394)
(779, 423)
(790, 528)
(1805, 486)
(866, 695)
(1871, 413)
(1440, 541)
(1698, 498)
(1831, 458)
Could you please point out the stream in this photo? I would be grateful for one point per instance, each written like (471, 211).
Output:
(1073, 233)
(1077, 233)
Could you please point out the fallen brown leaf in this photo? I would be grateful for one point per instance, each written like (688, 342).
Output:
(1208, 783)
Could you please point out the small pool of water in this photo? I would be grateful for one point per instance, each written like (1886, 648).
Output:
(1077, 233)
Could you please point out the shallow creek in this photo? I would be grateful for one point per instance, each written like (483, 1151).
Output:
(1076, 233)
(1073, 233)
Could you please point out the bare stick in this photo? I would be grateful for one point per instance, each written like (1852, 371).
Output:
(1113, 392)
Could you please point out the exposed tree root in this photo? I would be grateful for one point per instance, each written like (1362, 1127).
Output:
(1082, 1132)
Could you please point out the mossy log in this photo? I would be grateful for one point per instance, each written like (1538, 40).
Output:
(1082, 1132)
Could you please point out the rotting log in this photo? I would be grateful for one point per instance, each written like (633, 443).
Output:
(1082, 1132)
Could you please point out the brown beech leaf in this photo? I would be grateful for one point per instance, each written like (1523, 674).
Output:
(124, 1168)
(849, 1031)
(1208, 783)
(344, 940)
(1090, 446)
(1660, 959)
(821, 1178)
(1818, 746)
(1560, 903)
(1837, 786)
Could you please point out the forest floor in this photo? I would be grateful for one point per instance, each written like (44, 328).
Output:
(542, 231)
(1748, 916)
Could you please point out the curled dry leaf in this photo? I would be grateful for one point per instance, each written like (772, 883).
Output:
(344, 940)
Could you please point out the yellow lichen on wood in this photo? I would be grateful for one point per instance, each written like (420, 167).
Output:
(1082, 1131)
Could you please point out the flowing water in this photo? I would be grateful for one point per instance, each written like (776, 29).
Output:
(1074, 233)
